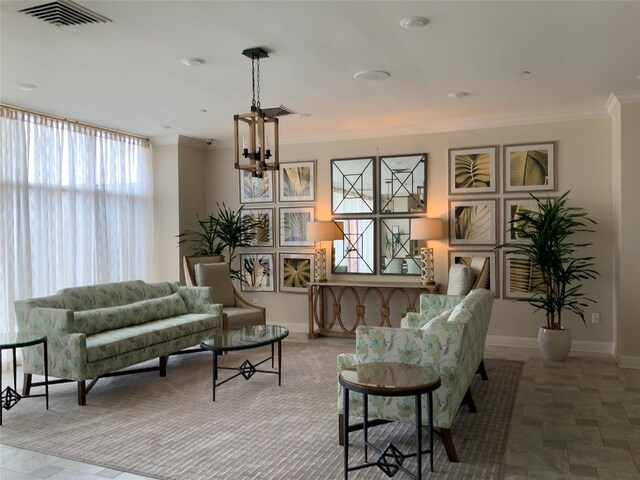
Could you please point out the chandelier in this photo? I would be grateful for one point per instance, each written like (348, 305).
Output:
(253, 146)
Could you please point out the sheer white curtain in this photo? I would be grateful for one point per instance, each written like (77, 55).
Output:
(76, 207)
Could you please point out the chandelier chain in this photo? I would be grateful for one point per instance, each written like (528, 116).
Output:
(253, 82)
(258, 103)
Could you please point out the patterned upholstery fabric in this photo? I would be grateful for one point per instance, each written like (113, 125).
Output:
(451, 341)
(430, 307)
(101, 328)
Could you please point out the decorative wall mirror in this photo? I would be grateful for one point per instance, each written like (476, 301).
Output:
(403, 181)
(399, 255)
(355, 253)
(352, 186)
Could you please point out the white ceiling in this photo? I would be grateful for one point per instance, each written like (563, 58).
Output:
(127, 74)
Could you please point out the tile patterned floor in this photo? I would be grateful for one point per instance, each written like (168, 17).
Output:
(574, 420)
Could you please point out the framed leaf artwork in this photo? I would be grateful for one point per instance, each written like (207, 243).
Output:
(521, 279)
(513, 208)
(472, 222)
(263, 233)
(298, 181)
(293, 226)
(530, 167)
(296, 271)
(257, 271)
(464, 257)
(256, 190)
(473, 170)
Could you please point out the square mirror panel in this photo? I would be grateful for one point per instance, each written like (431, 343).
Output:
(352, 186)
(403, 183)
(399, 255)
(355, 253)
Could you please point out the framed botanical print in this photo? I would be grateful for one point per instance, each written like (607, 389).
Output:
(296, 271)
(513, 208)
(298, 181)
(257, 271)
(256, 190)
(473, 170)
(530, 167)
(293, 226)
(521, 279)
(473, 222)
(263, 232)
(464, 257)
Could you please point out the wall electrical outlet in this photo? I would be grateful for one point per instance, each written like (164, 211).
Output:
(595, 317)
(255, 301)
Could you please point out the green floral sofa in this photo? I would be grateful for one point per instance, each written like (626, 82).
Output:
(449, 334)
(98, 329)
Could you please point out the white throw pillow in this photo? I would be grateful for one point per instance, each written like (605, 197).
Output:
(461, 280)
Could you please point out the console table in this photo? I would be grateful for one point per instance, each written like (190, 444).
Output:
(335, 291)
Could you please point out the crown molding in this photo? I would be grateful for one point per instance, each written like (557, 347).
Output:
(476, 123)
(616, 99)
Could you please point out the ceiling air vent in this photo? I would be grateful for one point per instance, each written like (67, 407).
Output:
(279, 111)
(64, 13)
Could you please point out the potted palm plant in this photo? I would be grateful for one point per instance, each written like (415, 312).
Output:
(545, 239)
(226, 231)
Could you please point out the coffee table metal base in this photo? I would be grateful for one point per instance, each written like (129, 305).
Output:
(247, 369)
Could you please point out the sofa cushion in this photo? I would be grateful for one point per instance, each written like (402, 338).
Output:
(218, 277)
(242, 317)
(117, 342)
(91, 322)
(461, 280)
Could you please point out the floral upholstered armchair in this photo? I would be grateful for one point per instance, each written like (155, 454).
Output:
(448, 334)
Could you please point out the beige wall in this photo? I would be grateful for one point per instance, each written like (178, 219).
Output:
(626, 260)
(166, 215)
(584, 166)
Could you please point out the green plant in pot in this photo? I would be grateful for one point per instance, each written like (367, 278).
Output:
(545, 239)
(228, 230)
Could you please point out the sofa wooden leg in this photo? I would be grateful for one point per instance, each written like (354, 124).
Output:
(82, 393)
(163, 366)
(468, 401)
(26, 384)
(340, 429)
(482, 371)
(447, 440)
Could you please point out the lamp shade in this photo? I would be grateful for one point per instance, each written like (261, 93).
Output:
(324, 230)
(426, 228)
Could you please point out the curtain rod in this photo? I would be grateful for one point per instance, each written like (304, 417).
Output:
(76, 122)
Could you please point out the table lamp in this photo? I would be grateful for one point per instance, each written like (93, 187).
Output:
(426, 229)
(320, 231)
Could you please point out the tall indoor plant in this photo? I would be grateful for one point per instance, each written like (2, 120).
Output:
(545, 238)
(227, 230)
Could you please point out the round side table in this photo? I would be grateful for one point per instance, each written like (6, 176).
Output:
(13, 341)
(389, 380)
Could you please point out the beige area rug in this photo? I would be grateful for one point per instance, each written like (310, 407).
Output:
(170, 429)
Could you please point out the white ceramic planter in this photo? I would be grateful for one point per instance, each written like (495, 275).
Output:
(554, 344)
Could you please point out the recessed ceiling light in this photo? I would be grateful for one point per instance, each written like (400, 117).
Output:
(457, 94)
(374, 75)
(165, 127)
(525, 72)
(413, 22)
(26, 87)
(203, 111)
(638, 77)
(192, 62)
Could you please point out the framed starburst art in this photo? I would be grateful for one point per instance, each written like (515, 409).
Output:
(296, 271)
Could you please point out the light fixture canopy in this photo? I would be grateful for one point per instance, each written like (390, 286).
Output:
(414, 22)
(253, 145)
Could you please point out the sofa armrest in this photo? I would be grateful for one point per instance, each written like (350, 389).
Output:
(49, 321)
(197, 299)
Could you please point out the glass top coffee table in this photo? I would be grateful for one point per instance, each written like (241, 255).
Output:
(244, 338)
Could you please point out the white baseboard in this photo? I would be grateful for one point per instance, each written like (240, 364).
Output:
(294, 327)
(627, 361)
(530, 342)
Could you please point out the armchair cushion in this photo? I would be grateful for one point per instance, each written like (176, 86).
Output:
(461, 280)
(241, 317)
(218, 277)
